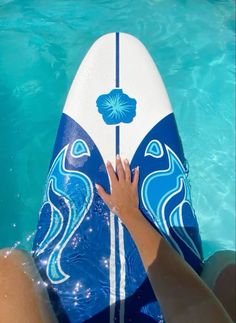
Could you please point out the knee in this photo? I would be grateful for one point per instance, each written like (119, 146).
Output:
(13, 253)
(12, 261)
(224, 256)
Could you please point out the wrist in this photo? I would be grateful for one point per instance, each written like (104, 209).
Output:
(130, 217)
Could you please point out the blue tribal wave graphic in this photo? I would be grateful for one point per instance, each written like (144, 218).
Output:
(75, 190)
(157, 194)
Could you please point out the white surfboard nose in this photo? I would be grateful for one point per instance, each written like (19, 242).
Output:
(118, 60)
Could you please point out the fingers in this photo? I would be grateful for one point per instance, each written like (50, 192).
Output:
(102, 193)
(111, 173)
(119, 169)
(122, 172)
(136, 177)
(127, 170)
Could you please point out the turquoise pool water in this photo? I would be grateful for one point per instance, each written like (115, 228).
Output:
(41, 45)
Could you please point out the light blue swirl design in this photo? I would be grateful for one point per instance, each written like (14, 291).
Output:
(77, 191)
(154, 149)
(56, 222)
(116, 107)
(156, 192)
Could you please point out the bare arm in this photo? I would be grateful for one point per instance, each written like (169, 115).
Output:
(181, 293)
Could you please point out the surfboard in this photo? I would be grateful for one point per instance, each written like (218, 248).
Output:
(117, 104)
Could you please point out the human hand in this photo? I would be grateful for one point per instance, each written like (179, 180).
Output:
(123, 199)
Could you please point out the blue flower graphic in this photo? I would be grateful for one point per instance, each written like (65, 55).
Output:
(116, 107)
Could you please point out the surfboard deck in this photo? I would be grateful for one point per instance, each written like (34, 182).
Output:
(117, 104)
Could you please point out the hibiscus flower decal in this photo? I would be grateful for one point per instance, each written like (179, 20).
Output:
(116, 107)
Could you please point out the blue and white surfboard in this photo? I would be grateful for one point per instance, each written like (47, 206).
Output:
(117, 104)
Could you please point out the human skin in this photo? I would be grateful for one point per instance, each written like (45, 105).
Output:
(23, 295)
(181, 293)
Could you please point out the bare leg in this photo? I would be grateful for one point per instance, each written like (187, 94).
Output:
(23, 297)
(219, 274)
(225, 289)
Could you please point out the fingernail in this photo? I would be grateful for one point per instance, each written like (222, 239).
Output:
(126, 161)
(108, 163)
(97, 186)
(137, 168)
(117, 156)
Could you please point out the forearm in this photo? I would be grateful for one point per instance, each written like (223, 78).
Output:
(145, 237)
(182, 295)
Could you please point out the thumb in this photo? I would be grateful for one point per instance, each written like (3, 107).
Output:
(102, 193)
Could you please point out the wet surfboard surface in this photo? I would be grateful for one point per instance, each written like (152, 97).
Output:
(117, 104)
